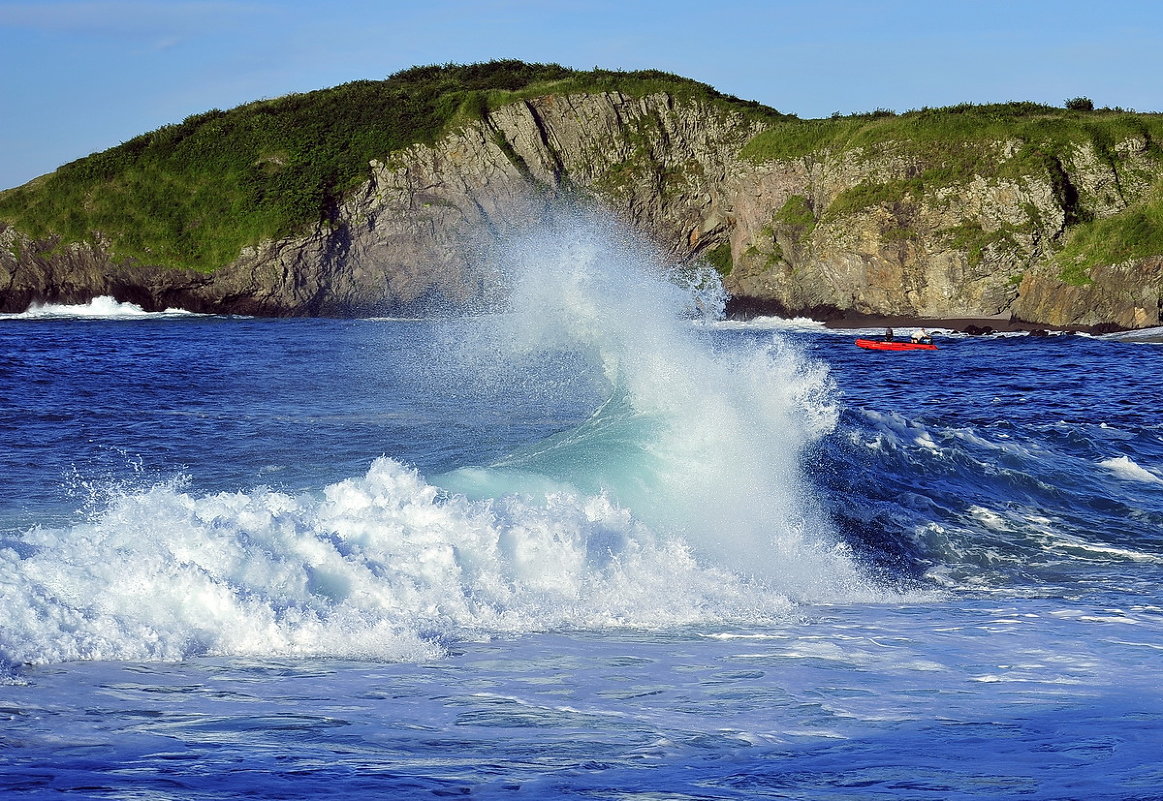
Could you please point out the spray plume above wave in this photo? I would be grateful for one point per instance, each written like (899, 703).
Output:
(681, 501)
(701, 444)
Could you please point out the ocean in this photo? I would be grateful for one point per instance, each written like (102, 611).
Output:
(600, 544)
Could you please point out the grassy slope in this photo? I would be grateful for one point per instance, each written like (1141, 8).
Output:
(195, 193)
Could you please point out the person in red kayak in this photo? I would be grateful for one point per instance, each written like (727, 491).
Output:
(888, 335)
(922, 337)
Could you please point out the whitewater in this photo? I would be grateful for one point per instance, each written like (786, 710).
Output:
(598, 543)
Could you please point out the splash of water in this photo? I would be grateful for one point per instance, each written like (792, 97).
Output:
(681, 501)
(703, 445)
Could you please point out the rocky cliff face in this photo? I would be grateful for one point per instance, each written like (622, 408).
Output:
(833, 232)
(977, 248)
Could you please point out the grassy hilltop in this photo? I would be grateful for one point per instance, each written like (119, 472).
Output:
(195, 193)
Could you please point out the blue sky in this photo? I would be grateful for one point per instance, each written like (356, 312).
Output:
(79, 76)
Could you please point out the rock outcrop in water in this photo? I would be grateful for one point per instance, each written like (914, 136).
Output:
(866, 229)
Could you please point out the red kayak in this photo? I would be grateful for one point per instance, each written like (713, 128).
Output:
(880, 344)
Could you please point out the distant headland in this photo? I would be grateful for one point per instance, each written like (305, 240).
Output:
(383, 197)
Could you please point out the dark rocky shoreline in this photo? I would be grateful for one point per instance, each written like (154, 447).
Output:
(746, 308)
(963, 325)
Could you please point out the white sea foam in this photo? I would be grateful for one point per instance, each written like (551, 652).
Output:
(1145, 335)
(776, 324)
(1125, 468)
(381, 566)
(103, 307)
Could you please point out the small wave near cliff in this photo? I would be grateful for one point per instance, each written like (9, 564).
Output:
(103, 307)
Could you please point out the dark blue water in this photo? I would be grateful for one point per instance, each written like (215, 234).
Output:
(1051, 430)
(235, 563)
(236, 403)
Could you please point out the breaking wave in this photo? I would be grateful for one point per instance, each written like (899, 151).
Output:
(681, 501)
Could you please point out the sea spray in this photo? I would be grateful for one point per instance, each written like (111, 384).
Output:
(703, 446)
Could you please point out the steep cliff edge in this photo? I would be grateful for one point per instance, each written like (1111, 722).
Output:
(1014, 212)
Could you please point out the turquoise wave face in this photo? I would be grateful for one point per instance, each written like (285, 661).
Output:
(612, 452)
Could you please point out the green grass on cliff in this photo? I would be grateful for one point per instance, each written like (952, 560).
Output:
(193, 194)
(1134, 234)
(947, 146)
(951, 146)
(956, 131)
